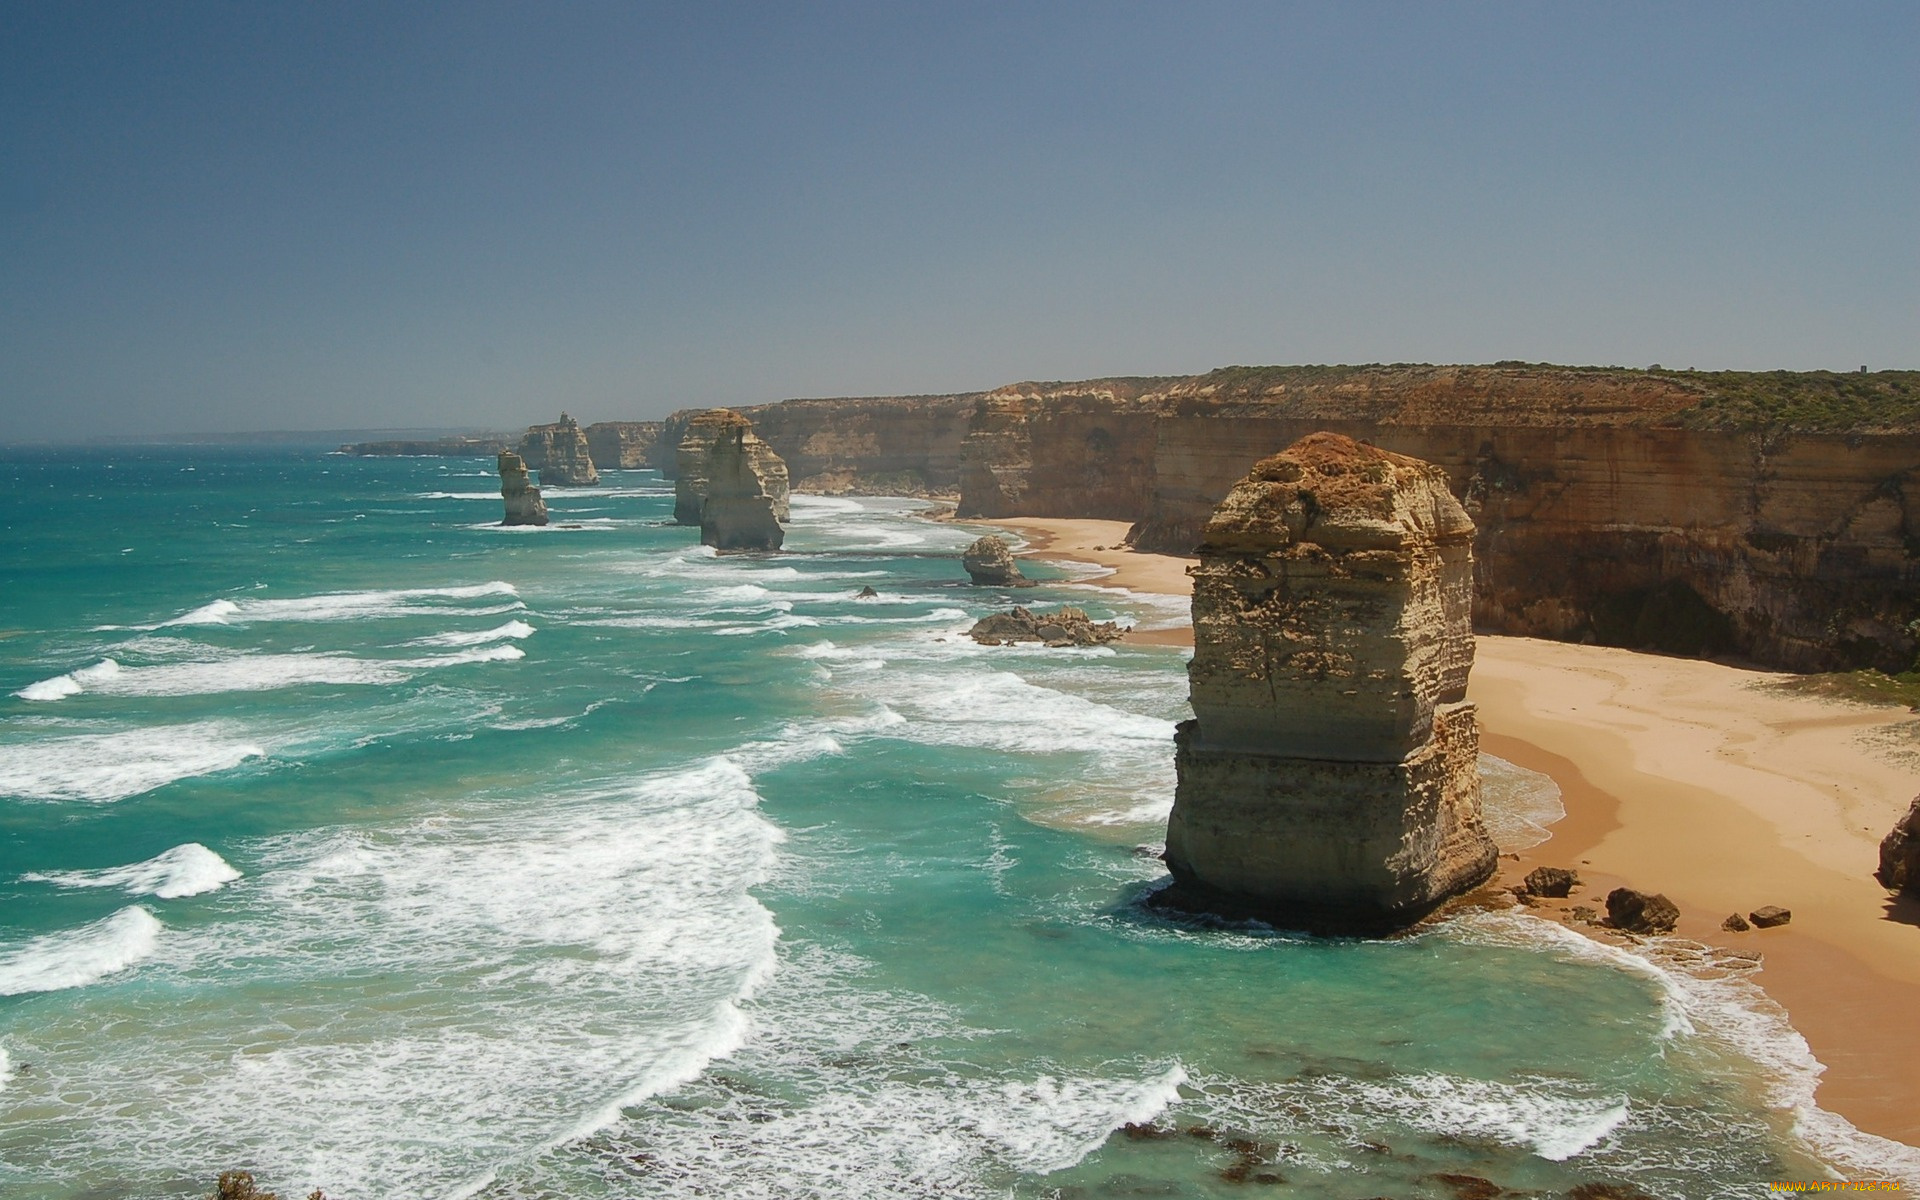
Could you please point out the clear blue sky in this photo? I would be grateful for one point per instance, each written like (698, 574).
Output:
(270, 216)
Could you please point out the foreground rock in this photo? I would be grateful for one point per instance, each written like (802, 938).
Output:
(560, 453)
(1900, 854)
(1770, 916)
(1067, 627)
(989, 563)
(1551, 881)
(693, 469)
(746, 491)
(1641, 912)
(524, 505)
(1329, 780)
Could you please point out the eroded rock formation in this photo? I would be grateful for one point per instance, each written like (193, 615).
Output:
(523, 502)
(1900, 854)
(746, 493)
(1329, 779)
(989, 563)
(622, 445)
(694, 458)
(560, 453)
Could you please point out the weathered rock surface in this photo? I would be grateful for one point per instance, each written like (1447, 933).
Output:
(1067, 627)
(989, 563)
(1329, 779)
(560, 453)
(1900, 854)
(1735, 923)
(694, 457)
(1641, 912)
(523, 502)
(742, 484)
(622, 445)
(1551, 881)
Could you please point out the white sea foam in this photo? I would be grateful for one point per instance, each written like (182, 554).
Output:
(1519, 804)
(103, 767)
(187, 870)
(254, 673)
(58, 961)
(512, 629)
(72, 683)
(335, 606)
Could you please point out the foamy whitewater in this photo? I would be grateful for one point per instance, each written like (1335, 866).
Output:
(358, 844)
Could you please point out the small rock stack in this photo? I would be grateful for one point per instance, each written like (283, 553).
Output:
(524, 505)
(560, 453)
(989, 563)
(1330, 779)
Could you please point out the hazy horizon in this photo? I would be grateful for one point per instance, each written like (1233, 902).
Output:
(218, 218)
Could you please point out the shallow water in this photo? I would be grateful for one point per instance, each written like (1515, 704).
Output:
(355, 840)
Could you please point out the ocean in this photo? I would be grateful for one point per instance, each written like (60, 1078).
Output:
(352, 839)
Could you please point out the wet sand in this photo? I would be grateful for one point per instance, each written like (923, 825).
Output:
(1705, 782)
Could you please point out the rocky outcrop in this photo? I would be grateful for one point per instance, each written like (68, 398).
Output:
(622, 445)
(1067, 627)
(693, 458)
(1329, 779)
(1900, 854)
(989, 563)
(446, 447)
(1551, 881)
(523, 502)
(560, 453)
(746, 492)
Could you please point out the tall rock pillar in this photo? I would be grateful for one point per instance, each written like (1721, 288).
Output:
(1329, 780)
(523, 503)
(694, 462)
(560, 453)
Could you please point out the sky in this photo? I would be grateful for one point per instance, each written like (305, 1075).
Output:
(302, 216)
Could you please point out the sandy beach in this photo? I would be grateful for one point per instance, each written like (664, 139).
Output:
(1707, 782)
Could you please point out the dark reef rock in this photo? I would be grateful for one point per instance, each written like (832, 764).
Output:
(1329, 780)
(1641, 912)
(989, 563)
(1067, 627)
(523, 503)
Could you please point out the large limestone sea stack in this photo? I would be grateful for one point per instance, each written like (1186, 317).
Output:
(523, 503)
(560, 453)
(1329, 780)
(731, 484)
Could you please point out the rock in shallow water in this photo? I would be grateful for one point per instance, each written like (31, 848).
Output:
(989, 563)
(523, 503)
(1067, 627)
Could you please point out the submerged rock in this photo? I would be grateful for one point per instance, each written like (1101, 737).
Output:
(1641, 912)
(523, 502)
(746, 488)
(1900, 854)
(560, 453)
(989, 563)
(1067, 627)
(1329, 779)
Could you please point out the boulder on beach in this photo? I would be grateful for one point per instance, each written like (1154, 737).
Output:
(1641, 912)
(1551, 881)
(1735, 923)
(989, 563)
(1769, 916)
(1900, 854)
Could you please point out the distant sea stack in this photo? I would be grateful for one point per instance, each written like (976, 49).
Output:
(1330, 779)
(560, 453)
(524, 505)
(746, 493)
(692, 464)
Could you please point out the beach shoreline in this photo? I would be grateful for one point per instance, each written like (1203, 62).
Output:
(1702, 780)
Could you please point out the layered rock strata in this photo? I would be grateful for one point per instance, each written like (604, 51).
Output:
(1329, 780)
(560, 453)
(622, 445)
(694, 455)
(989, 563)
(523, 503)
(746, 491)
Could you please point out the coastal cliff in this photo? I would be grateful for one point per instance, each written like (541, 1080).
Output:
(1329, 779)
(622, 445)
(559, 452)
(875, 445)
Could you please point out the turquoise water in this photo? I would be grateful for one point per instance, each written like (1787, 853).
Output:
(350, 838)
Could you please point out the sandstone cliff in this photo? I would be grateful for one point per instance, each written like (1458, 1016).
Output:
(746, 489)
(523, 503)
(622, 445)
(877, 446)
(1329, 780)
(694, 462)
(559, 452)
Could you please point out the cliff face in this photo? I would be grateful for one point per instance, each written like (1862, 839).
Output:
(1329, 778)
(622, 445)
(523, 503)
(695, 460)
(1083, 449)
(559, 452)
